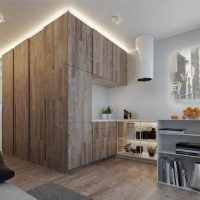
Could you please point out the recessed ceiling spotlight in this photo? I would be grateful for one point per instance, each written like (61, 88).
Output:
(2, 19)
(116, 19)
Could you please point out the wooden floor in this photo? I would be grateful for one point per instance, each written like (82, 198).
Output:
(112, 179)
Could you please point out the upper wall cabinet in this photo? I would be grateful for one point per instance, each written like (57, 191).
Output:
(79, 44)
(109, 62)
(100, 55)
(119, 65)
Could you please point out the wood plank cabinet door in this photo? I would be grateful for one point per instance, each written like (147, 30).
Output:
(79, 44)
(21, 100)
(7, 103)
(100, 55)
(37, 99)
(119, 65)
(79, 95)
(123, 67)
(79, 144)
(56, 114)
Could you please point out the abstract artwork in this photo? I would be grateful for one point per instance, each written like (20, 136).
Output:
(185, 74)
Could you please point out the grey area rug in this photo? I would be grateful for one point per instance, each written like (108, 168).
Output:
(52, 191)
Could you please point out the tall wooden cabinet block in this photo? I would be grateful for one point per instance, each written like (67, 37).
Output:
(37, 99)
(79, 44)
(7, 103)
(80, 144)
(79, 95)
(21, 100)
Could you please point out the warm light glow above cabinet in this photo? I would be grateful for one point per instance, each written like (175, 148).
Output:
(77, 14)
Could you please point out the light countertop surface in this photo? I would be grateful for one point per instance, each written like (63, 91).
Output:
(123, 120)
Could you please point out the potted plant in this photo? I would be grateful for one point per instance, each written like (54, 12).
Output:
(109, 112)
(104, 113)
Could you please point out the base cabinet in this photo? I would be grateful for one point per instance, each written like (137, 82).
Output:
(104, 140)
(79, 144)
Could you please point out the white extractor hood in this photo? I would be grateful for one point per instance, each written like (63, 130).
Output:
(145, 47)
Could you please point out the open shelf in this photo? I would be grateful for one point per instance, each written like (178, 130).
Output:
(179, 134)
(143, 157)
(175, 154)
(167, 156)
(177, 187)
(140, 134)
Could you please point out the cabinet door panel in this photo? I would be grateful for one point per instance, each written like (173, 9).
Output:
(100, 55)
(112, 147)
(7, 103)
(79, 144)
(79, 44)
(97, 135)
(123, 67)
(79, 95)
(116, 63)
(37, 99)
(56, 94)
(119, 65)
(21, 100)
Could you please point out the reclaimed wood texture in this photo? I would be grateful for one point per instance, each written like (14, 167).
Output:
(102, 61)
(100, 55)
(79, 44)
(56, 113)
(80, 144)
(109, 62)
(79, 95)
(21, 100)
(37, 99)
(7, 103)
(119, 65)
(104, 140)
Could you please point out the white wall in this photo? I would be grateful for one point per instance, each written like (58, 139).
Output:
(99, 100)
(152, 100)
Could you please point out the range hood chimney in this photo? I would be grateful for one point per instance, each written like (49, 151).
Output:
(145, 47)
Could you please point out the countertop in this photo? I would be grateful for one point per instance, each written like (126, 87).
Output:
(123, 120)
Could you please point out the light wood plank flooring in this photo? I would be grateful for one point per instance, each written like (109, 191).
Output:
(112, 179)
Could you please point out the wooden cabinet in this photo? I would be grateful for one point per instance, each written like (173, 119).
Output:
(48, 102)
(79, 95)
(119, 65)
(104, 140)
(79, 44)
(7, 103)
(80, 144)
(100, 55)
(79, 117)
(21, 100)
(56, 98)
(37, 99)
(109, 62)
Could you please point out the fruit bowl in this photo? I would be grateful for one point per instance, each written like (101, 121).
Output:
(191, 113)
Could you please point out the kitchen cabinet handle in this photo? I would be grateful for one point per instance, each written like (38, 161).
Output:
(45, 121)
(15, 126)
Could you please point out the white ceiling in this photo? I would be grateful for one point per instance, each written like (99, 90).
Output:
(161, 18)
